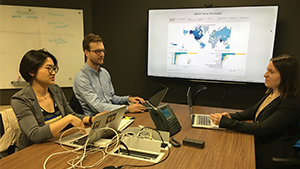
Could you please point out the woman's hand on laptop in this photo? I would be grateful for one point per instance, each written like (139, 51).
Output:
(226, 114)
(99, 114)
(93, 118)
(76, 122)
(216, 117)
(136, 100)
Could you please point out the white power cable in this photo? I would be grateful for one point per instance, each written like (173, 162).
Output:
(77, 162)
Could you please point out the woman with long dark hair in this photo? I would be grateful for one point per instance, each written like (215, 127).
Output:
(275, 117)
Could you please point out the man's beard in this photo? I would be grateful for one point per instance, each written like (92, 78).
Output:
(97, 63)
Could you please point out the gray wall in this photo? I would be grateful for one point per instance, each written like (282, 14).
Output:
(123, 26)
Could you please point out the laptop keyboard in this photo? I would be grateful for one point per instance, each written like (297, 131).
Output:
(80, 141)
(203, 120)
(146, 104)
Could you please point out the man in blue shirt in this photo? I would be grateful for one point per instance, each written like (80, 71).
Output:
(92, 84)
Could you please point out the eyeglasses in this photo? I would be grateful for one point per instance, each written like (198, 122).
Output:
(98, 51)
(52, 68)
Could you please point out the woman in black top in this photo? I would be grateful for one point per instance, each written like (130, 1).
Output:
(275, 117)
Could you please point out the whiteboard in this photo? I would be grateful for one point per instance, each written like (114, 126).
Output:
(22, 28)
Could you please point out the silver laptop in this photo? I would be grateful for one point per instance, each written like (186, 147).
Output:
(199, 120)
(96, 136)
(157, 96)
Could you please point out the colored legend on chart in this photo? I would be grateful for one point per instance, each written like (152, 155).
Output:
(225, 55)
(177, 54)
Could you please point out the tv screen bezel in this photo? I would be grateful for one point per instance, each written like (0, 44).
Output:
(203, 79)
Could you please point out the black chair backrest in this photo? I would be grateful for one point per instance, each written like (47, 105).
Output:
(292, 161)
(1, 126)
(75, 105)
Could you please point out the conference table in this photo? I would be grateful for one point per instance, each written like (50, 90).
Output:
(223, 149)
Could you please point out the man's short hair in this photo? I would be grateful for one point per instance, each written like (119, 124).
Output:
(88, 39)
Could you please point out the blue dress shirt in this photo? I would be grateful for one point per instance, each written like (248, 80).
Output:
(95, 91)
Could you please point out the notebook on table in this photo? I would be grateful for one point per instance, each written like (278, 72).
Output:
(199, 120)
(125, 122)
(110, 119)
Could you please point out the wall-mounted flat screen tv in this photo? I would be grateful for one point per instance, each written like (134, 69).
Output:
(227, 44)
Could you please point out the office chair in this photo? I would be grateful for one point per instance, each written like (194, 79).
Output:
(292, 161)
(75, 105)
(10, 132)
(2, 154)
(195, 92)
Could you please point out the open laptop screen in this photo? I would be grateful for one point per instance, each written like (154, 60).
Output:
(190, 101)
(158, 94)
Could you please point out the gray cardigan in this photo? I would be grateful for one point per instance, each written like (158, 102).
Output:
(30, 116)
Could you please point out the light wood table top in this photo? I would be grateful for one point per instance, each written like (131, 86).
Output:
(223, 149)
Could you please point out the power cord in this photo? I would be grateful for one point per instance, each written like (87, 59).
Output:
(70, 151)
(175, 143)
(67, 150)
(114, 141)
(77, 162)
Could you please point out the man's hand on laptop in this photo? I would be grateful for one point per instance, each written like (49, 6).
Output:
(136, 108)
(136, 100)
